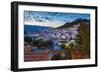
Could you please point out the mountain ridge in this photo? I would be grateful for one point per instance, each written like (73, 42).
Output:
(75, 22)
(30, 28)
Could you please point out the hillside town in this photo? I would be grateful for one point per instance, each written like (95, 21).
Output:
(56, 36)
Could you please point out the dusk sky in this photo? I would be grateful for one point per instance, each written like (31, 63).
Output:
(51, 19)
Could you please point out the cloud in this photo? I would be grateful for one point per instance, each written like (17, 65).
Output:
(42, 18)
(39, 20)
(47, 18)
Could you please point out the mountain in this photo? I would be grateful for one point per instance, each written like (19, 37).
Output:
(75, 22)
(31, 28)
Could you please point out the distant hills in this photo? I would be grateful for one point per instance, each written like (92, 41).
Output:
(69, 24)
(31, 28)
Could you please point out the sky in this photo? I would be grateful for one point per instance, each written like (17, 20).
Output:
(51, 19)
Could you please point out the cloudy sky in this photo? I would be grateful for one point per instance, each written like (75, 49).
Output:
(51, 19)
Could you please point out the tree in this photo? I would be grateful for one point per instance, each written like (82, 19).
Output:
(63, 46)
(58, 57)
(35, 42)
(67, 49)
(28, 39)
(84, 33)
(78, 39)
(46, 43)
(49, 43)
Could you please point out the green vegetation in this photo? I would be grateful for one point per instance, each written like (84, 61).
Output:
(83, 39)
(28, 39)
(67, 45)
(36, 42)
(58, 57)
(39, 43)
(78, 39)
(67, 49)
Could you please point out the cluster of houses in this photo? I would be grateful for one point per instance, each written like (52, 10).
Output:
(60, 34)
(56, 35)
